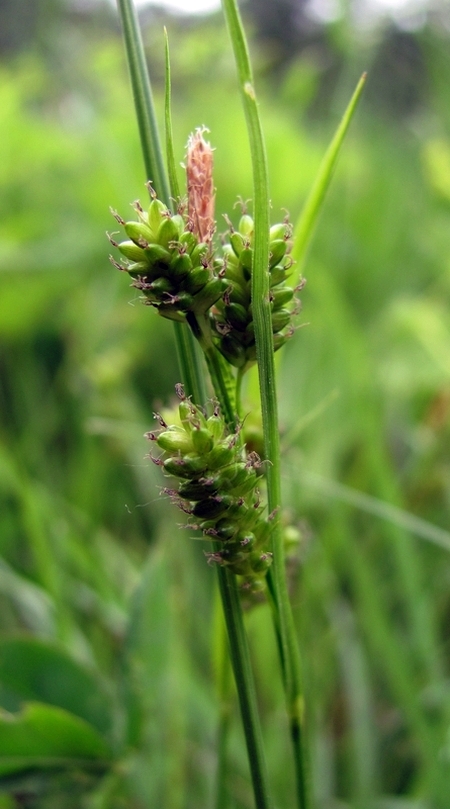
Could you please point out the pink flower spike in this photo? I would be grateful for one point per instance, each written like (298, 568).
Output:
(201, 198)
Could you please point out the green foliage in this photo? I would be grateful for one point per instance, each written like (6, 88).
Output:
(83, 530)
(33, 670)
(42, 736)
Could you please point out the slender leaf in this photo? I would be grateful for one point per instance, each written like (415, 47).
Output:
(304, 228)
(170, 155)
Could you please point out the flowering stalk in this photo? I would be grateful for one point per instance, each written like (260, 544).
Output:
(282, 612)
(240, 309)
(230, 598)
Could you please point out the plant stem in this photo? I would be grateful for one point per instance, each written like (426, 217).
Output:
(283, 619)
(193, 376)
(202, 332)
(238, 395)
(225, 697)
(240, 658)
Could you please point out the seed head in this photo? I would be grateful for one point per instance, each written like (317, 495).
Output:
(199, 170)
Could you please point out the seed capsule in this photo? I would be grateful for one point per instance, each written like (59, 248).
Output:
(233, 351)
(277, 232)
(198, 490)
(226, 528)
(185, 467)
(237, 242)
(236, 315)
(180, 267)
(167, 232)
(158, 288)
(280, 339)
(138, 269)
(174, 440)
(216, 427)
(246, 259)
(202, 440)
(208, 295)
(210, 508)
(278, 275)
(260, 562)
(221, 455)
(280, 319)
(157, 254)
(199, 252)
(196, 279)
(240, 293)
(156, 212)
(187, 238)
(281, 297)
(246, 226)
(186, 410)
(239, 477)
(139, 233)
(131, 251)
(277, 251)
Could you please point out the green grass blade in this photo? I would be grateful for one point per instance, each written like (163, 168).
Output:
(304, 228)
(187, 352)
(143, 100)
(380, 508)
(170, 154)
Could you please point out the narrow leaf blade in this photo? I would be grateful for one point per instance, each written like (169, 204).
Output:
(308, 218)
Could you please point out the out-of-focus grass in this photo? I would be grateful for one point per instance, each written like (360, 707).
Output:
(90, 556)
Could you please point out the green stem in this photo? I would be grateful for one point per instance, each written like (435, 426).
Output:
(283, 619)
(192, 375)
(202, 332)
(189, 362)
(240, 658)
(238, 395)
(225, 696)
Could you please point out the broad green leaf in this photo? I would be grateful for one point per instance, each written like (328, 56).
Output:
(43, 737)
(37, 670)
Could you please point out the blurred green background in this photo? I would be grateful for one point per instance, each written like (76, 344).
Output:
(107, 608)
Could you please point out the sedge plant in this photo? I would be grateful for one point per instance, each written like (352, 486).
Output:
(232, 305)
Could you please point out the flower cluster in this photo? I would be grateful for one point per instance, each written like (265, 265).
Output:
(168, 262)
(217, 488)
(232, 316)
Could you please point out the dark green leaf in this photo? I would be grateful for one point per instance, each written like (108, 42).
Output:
(43, 736)
(37, 670)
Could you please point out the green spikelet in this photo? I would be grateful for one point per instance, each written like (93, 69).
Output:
(217, 488)
(175, 272)
(232, 316)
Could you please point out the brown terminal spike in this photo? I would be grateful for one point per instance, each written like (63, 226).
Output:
(199, 171)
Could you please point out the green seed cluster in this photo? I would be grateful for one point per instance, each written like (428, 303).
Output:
(232, 316)
(217, 488)
(168, 264)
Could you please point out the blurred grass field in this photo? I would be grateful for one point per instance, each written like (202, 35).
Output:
(90, 559)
